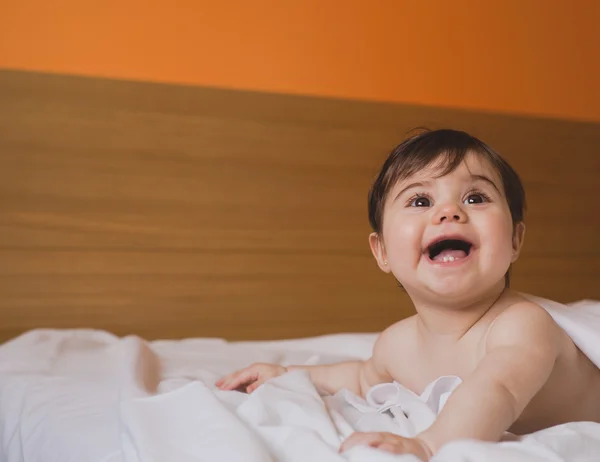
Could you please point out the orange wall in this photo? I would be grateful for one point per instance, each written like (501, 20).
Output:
(531, 57)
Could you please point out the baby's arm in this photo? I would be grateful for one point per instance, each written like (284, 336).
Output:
(521, 349)
(356, 376)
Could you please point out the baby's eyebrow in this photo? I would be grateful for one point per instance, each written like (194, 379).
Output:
(418, 184)
(487, 180)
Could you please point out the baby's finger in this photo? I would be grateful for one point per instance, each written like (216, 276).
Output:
(239, 378)
(260, 380)
(225, 379)
(250, 388)
(361, 439)
(390, 447)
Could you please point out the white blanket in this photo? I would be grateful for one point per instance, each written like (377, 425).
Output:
(83, 395)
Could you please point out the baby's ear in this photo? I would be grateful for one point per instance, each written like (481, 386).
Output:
(518, 239)
(378, 250)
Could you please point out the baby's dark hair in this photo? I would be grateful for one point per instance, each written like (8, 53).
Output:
(450, 147)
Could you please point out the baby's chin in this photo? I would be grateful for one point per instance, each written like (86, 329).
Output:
(453, 288)
(451, 291)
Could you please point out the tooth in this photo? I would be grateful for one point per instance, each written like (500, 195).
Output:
(451, 258)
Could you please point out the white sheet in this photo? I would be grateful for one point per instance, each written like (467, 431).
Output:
(83, 395)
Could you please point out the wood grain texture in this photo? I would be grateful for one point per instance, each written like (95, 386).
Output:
(170, 211)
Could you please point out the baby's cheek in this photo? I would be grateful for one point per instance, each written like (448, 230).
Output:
(497, 233)
(500, 255)
(403, 257)
(402, 235)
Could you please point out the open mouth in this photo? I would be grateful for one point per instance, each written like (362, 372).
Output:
(449, 250)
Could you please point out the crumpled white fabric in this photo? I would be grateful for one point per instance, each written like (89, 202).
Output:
(390, 407)
(83, 395)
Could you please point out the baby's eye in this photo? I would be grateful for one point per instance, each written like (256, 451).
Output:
(476, 198)
(420, 201)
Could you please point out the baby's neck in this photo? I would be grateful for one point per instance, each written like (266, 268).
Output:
(453, 321)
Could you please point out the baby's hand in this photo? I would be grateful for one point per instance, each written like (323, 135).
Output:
(251, 377)
(390, 443)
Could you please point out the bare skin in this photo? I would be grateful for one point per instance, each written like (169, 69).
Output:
(518, 380)
(520, 371)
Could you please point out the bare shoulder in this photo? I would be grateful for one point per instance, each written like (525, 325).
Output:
(524, 323)
(399, 330)
(395, 337)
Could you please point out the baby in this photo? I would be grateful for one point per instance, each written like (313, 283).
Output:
(447, 216)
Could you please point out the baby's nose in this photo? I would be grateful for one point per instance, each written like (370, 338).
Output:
(450, 213)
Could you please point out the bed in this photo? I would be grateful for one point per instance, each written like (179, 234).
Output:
(153, 237)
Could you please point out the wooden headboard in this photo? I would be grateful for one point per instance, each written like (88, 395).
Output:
(170, 211)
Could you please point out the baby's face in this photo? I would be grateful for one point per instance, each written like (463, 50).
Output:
(449, 236)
